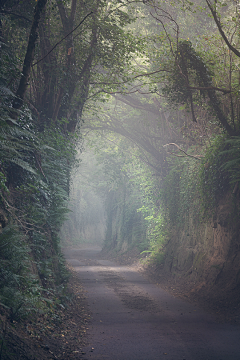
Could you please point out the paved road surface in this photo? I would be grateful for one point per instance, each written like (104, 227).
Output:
(133, 319)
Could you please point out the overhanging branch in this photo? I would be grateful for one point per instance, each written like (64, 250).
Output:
(198, 157)
(222, 33)
(59, 42)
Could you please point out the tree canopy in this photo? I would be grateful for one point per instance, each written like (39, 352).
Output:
(151, 87)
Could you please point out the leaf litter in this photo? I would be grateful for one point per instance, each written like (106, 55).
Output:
(60, 335)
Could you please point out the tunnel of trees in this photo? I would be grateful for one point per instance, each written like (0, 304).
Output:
(130, 109)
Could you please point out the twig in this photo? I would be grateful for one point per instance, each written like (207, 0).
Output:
(209, 88)
(23, 224)
(14, 14)
(62, 39)
(193, 156)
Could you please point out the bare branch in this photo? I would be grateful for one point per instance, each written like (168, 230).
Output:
(14, 14)
(198, 157)
(222, 33)
(63, 39)
(224, 91)
(133, 102)
(133, 78)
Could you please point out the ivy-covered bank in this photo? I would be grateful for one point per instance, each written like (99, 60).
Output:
(186, 224)
(202, 206)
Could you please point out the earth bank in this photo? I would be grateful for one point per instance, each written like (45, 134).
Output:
(200, 259)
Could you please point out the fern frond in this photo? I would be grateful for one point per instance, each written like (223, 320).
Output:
(24, 165)
(6, 91)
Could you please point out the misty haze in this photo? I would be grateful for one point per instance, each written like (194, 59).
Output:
(119, 180)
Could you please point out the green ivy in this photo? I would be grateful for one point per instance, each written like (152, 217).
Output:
(214, 179)
(180, 192)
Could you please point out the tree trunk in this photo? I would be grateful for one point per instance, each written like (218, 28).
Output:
(18, 101)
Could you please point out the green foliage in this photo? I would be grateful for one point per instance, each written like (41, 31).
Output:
(192, 73)
(34, 184)
(105, 56)
(156, 234)
(193, 189)
(20, 290)
(124, 223)
(40, 208)
(231, 156)
(131, 198)
(37, 152)
(214, 180)
(112, 180)
(180, 191)
(3, 180)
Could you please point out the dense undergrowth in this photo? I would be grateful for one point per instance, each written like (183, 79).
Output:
(125, 225)
(32, 268)
(34, 191)
(188, 196)
(193, 189)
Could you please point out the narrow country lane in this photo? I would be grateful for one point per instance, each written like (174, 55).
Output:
(133, 319)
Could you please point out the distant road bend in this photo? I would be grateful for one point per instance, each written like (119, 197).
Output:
(133, 319)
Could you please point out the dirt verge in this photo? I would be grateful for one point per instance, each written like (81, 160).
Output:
(59, 335)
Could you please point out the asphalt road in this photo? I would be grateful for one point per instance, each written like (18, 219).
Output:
(133, 319)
